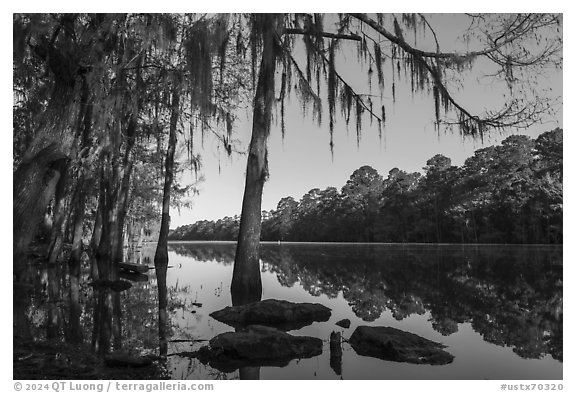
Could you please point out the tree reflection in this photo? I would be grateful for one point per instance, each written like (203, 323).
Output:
(46, 307)
(512, 296)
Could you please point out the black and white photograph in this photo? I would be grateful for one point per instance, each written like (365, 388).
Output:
(287, 196)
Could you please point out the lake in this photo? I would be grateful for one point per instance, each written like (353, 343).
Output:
(497, 309)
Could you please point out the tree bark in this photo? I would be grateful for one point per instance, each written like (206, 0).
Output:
(103, 250)
(35, 179)
(74, 265)
(122, 194)
(95, 241)
(246, 280)
(34, 185)
(117, 320)
(106, 270)
(161, 255)
(54, 319)
(61, 211)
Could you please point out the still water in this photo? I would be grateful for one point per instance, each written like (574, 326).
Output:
(498, 309)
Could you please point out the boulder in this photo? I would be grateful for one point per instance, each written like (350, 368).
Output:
(392, 344)
(345, 323)
(281, 314)
(257, 346)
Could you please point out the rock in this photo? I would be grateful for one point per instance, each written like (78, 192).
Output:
(120, 285)
(257, 346)
(396, 345)
(121, 359)
(116, 286)
(133, 267)
(263, 342)
(345, 323)
(136, 277)
(271, 312)
(336, 352)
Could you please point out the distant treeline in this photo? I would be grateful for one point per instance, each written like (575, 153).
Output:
(511, 193)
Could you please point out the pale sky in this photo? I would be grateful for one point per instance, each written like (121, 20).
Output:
(302, 160)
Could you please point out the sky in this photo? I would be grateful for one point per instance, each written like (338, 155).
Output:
(302, 160)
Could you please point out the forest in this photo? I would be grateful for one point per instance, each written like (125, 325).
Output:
(107, 110)
(510, 193)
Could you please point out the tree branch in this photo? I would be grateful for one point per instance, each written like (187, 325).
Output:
(324, 34)
(437, 55)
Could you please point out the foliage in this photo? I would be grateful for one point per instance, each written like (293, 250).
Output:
(510, 193)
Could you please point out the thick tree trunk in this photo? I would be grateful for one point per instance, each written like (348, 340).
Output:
(61, 206)
(35, 179)
(161, 256)
(246, 281)
(34, 185)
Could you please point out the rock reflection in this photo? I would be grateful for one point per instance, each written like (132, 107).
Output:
(512, 296)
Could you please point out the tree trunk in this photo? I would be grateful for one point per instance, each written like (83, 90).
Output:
(54, 320)
(103, 309)
(121, 196)
(74, 264)
(95, 241)
(161, 271)
(61, 206)
(35, 179)
(117, 320)
(103, 250)
(34, 185)
(246, 281)
(161, 255)
(102, 321)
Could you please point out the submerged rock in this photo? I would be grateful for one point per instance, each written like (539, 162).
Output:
(257, 346)
(271, 312)
(398, 346)
(345, 323)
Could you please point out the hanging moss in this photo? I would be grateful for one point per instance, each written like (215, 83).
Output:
(346, 97)
(199, 61)
(332, 90)
(378, 61)
(359, 111)
(220, 40)
(282, 103)
(436, 103)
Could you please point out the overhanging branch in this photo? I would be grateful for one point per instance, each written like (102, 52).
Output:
(324, 34)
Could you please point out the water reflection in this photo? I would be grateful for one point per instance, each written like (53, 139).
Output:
(512, 296)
